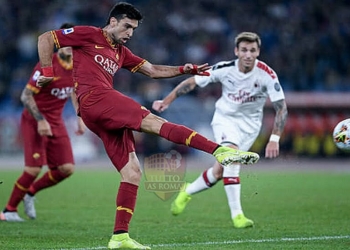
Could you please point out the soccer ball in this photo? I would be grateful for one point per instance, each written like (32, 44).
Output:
(341, 135)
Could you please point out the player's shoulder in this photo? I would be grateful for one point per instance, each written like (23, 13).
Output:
(224, 65)
(84, 29)
(265, 69)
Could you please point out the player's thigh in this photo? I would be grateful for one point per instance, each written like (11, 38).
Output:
(59, 151)
(233, 134)
(112, 110)
(118, 145)
(34, 145)
(248, 140)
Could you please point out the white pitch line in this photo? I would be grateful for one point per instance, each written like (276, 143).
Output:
(228, 242)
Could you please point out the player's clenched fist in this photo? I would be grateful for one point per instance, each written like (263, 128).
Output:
(159, 106)
(43, 81)
(194, 69)
(44, 128)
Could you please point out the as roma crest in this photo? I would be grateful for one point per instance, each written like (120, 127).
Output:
(164, 174)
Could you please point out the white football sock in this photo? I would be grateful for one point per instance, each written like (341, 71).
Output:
(233, 191)
(200, 183)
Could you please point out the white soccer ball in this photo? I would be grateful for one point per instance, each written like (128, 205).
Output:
(341, 135)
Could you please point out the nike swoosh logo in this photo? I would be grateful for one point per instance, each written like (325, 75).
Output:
(98, 47)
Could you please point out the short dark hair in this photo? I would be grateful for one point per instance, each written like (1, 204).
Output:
(122, 10)
(67, 26)
(247, 37)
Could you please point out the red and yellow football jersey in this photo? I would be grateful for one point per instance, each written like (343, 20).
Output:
(94, 55)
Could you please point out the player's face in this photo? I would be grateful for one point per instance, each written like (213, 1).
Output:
(121, 31)
(247, 53)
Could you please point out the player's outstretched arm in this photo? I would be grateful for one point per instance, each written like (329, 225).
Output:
(272, 147)
(164, 71)
(183, 88)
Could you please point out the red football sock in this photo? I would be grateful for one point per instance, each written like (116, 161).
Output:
(50, 178)
(126, 200)
(183, 135)
(19, 190)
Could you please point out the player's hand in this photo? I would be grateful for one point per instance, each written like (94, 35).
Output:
(159, 106)
(43, 81)
(194, 69)
(81, 127)
(44, 128)
(272, 149)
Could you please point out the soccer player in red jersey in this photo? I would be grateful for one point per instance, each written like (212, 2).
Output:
(45, 137)
(98, 54)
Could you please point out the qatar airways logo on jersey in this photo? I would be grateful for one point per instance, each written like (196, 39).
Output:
(107, 64)
(242, 97)
(62, 93)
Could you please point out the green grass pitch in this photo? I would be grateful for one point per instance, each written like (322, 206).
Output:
(291, 210)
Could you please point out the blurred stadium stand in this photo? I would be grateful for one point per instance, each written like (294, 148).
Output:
(305, 42)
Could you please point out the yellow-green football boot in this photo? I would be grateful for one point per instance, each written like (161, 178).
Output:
(123, 241)
(240, 221)
(179, 204)
(226, 156)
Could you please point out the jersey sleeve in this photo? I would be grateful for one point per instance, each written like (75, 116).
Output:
(203, 81)
(274, 89)
(131, 61)
(31, 84)
(74, 37)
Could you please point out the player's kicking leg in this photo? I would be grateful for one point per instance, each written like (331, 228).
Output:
(182, 135)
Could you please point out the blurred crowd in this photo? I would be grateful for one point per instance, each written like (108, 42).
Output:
(305, 41)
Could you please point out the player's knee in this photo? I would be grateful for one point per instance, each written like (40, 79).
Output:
(34, 171)
(218, 171)
(135, 176)
(218, 175)
(66, 169)
(131, 175)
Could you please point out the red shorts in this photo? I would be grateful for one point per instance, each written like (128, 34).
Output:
(113, 117)
(41, 150)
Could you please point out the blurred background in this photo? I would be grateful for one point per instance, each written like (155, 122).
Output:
(307, 42)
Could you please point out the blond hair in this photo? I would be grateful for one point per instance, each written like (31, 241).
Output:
(247, 37)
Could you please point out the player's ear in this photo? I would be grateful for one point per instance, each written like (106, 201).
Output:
(236, 51)
(113, 21)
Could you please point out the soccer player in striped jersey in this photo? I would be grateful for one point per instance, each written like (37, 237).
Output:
(45, 137)
(246, 84)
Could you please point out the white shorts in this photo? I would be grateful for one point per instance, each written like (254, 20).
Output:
(227, 130)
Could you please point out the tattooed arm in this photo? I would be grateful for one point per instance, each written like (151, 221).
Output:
(183, 88)
(280, 118)
(29, 103)
(27, 98)
(272, 148)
